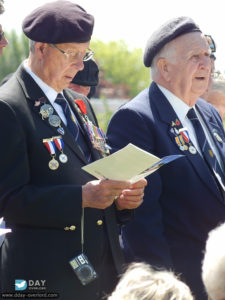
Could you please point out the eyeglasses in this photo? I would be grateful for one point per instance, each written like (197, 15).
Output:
(211, 42)
(71, 56)
(2, 34)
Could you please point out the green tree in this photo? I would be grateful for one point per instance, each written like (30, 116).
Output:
(119, 63)
(122, 65)
(16, 52)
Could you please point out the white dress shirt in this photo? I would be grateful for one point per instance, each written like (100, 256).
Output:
(181, 109)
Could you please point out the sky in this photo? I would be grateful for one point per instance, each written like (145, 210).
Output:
(134, 21)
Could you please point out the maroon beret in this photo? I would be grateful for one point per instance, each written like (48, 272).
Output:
(166, 33)
(59, 22)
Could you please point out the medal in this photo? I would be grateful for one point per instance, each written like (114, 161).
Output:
(182, 148)
(61, 130)
(192, 150)
(219, 139)
(53, 164)
(54, 120)
(63, 158)
(46, 110)
(211, 153)
(50, 146)
(173, 124)
(95, 133)
(40, 101)
(60, 145)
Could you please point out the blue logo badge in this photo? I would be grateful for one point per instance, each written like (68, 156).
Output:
(20, 285)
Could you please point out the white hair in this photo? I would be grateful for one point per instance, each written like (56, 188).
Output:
(142, 282)
(32, 45)
(213, 268)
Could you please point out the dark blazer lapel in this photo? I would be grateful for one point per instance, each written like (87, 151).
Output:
(33, 92)
(95, 153)
(215, 131)
(168, 115)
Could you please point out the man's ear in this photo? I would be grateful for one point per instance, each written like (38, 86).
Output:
(40, 49)
(163, 67)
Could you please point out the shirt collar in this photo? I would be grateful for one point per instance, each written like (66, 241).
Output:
(179, 106)
(49, 92)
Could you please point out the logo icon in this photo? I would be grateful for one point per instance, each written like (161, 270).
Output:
(20, 285)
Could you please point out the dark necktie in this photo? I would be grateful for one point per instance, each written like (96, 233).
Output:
(73, 126)
(206, 150)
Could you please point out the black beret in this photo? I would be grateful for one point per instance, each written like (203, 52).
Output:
(59, 22)
(88, 76)
(166, 33)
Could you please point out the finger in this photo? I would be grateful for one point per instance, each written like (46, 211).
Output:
(115, 184)
(133, 192)
(131, 198)
(122, 204)
(139, 184)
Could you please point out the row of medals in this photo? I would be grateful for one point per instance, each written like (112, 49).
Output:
(182, 140)
(181, 134)
(53, 163)
(46, 112)
(99, 144)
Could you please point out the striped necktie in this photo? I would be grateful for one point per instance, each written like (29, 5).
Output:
(73, 126)
(206, 150)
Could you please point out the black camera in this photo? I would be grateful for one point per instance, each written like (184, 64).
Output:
(83, 269)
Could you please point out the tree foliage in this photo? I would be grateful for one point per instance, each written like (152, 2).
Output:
(14, 54)
(121, 64)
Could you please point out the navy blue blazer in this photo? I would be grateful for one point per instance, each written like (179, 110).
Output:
(182, 202)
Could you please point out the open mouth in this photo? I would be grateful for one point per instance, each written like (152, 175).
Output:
(200, 78)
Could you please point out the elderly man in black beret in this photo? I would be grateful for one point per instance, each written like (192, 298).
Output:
(64, 241)
(185, 199)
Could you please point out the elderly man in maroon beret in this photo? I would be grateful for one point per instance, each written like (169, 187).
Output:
(64, 241)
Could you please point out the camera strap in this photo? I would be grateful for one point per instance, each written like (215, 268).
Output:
(82, 231)
(80, 263)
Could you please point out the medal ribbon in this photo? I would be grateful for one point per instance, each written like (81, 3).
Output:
(49, 144)
(185, 136)
(59, 143)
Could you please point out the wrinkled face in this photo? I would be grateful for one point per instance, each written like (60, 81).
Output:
(189, 73)
(81, 89)
(3, 41)
(56, 68)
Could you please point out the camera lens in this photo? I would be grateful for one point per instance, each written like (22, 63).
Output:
(85, 272)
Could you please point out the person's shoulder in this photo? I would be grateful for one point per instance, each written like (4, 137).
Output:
(206, 106)
(138, 101)
(208, 110)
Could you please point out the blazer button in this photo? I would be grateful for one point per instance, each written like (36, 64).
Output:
(66, 228)
(99, 222)
(72, 227)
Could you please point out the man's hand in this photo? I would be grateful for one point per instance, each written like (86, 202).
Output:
(133, 197)
(102, 193)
